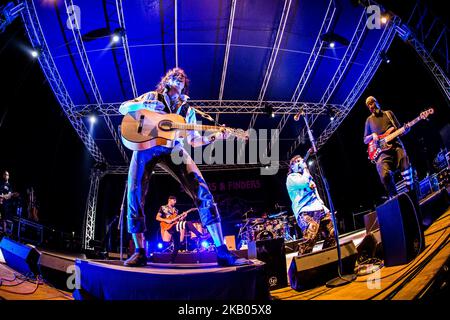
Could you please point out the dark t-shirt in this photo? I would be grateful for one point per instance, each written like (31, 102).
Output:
(380, 123)
(5, 187)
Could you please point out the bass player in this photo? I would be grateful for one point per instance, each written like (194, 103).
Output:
(378, 123)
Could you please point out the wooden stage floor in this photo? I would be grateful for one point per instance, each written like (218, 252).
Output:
(404, 282)
(13, 286)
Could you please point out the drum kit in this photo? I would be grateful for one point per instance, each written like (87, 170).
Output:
(272, 226)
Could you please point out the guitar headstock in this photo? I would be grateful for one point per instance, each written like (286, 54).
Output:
(425, 114)
(238, 133)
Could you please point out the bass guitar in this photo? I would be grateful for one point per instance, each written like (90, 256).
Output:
(375, 148)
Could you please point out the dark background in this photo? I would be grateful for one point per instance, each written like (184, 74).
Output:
(40, 148)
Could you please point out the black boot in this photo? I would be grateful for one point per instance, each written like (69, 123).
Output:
(138, 259)
(225, 258)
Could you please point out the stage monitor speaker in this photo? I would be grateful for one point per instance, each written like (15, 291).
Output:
(272, 252)
(371, 222)
(434, 206)
(401, 229)
(20, 257)
(56, 268)
(316, 268)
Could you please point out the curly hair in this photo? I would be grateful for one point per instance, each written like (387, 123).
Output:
(177, 73)
(294, 158)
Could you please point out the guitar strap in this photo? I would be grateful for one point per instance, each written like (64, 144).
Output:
(395, 127)
(390, 119)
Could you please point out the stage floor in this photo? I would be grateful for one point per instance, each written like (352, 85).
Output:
(404, 282)
(20, 289)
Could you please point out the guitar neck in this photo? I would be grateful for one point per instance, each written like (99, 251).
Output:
(402, 130)
(196, 127)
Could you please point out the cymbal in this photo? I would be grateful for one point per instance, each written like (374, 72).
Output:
(256, 220)
(277, 215)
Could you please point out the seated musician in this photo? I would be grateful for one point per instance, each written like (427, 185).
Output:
(169, 215)
(309, 210)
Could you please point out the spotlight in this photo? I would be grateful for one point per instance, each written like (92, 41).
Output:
(331, 38)
(93, 119)
(34, 54)
(384, 57)
(384, 19)
(268, 109)
(330, 112)
(115, 38)
(160, 245)
(310, 163)
(117, 35)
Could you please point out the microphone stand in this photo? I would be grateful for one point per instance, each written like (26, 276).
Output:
(340, 279)
(120, 226)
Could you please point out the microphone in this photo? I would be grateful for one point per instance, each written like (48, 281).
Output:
(203, 114)
(299, 114)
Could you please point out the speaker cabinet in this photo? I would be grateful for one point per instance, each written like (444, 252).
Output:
(316, 268)
(20, 257)
(371, 222)
(401, 229)
(272, 252)
(56, 268)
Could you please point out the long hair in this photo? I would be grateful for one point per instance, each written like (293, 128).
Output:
(294, 158)
(176, 73)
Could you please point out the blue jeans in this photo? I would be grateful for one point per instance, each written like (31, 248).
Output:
(187, 173)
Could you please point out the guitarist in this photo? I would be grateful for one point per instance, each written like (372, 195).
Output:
(169, 214)
(6, 193)
(170, 96)
(393, 159)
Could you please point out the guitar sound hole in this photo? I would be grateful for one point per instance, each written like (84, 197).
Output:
(165, 125)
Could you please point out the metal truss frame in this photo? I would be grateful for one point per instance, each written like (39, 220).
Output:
(126, 48)
(363, 81)
(91, 209)
(273, 58)
(439, 75)
(337, 77)
(37, 39)
(432, 33)
(91, 79)
(315, 52)
(220, 107)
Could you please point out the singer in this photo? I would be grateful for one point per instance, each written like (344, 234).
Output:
(309, 210)
(171, 97)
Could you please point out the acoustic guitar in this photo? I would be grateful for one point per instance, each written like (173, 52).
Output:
(175, 218)
(146, 129)
(374, 149)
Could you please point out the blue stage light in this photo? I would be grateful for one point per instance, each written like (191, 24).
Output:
(115, 38)
(160, 245)
(332, 44)
(34, 53)
(93, 119)
(205, 244)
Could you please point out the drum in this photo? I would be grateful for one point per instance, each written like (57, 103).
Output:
(265, 235)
